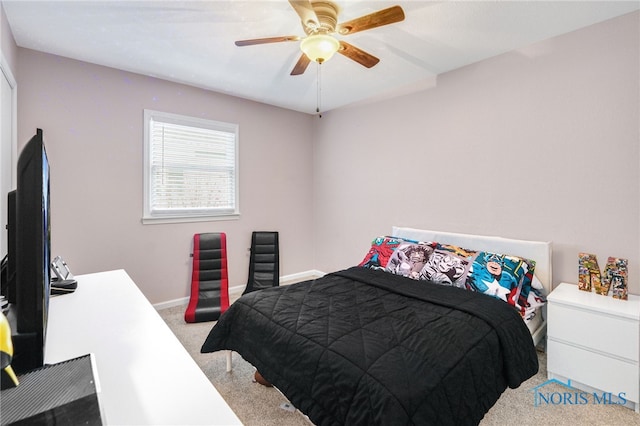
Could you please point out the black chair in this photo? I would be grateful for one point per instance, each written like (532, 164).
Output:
(264, 262)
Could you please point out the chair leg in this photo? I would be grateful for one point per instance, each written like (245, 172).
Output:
(228, 361)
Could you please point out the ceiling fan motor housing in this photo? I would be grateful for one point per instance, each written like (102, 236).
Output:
(327, 14)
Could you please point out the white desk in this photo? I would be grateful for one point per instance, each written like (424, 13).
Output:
(146, 376)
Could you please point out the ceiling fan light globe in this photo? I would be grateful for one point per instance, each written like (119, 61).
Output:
(320, 47)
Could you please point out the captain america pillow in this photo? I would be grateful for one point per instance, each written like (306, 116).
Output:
(502, 276)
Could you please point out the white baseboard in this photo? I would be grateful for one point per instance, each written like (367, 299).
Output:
(184, 301)
(301, 276)
(236, 291)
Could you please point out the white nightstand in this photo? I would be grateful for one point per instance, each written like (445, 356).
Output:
(594, 341)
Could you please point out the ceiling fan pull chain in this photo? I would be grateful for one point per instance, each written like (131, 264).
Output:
(318, 88)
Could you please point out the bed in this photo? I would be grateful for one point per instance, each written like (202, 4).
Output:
(367, 346)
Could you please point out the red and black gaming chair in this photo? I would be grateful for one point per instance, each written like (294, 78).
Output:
(209, 278)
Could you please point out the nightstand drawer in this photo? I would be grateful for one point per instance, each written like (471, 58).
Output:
(594, 369)
(600, 332)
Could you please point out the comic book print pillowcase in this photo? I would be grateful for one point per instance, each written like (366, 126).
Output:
(410, 258)
(502, 276)
(380, 252)
(506, 277)
(448, 265)
(535, 300)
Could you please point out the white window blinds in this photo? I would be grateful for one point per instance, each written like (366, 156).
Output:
(191, 167)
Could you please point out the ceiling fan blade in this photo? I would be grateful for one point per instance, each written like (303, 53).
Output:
(304, 9)
(266, 40)
(358, 55)
(376, 19)
(301, 65)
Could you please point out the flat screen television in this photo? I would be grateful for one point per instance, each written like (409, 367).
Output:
(29, 252)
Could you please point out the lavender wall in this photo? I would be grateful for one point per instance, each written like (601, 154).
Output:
(541, 143)
(7, 43)
(92, 118)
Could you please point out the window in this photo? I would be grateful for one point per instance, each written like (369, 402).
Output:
(190, 169)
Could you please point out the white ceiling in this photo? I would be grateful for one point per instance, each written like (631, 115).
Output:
(192, 42)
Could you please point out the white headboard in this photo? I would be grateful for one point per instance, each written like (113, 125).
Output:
(534, 250)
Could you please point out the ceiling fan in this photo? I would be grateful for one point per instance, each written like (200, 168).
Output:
(319, 20)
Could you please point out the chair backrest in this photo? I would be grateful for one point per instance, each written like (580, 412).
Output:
(209, 278)
(264, 261)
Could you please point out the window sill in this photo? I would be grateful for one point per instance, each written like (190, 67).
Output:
(186, 219)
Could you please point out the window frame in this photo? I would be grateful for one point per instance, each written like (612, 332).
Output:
(148, 216)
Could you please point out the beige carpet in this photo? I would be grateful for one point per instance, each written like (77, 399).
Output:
(257, 405)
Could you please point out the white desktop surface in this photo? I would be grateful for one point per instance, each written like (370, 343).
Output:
(145, 374)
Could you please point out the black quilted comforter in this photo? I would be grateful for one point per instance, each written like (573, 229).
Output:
(365, 347)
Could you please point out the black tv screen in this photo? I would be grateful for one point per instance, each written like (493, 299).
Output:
(31, 250)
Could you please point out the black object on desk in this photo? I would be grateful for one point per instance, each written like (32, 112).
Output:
(63, 287)
(65, 393)
(64, 282)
